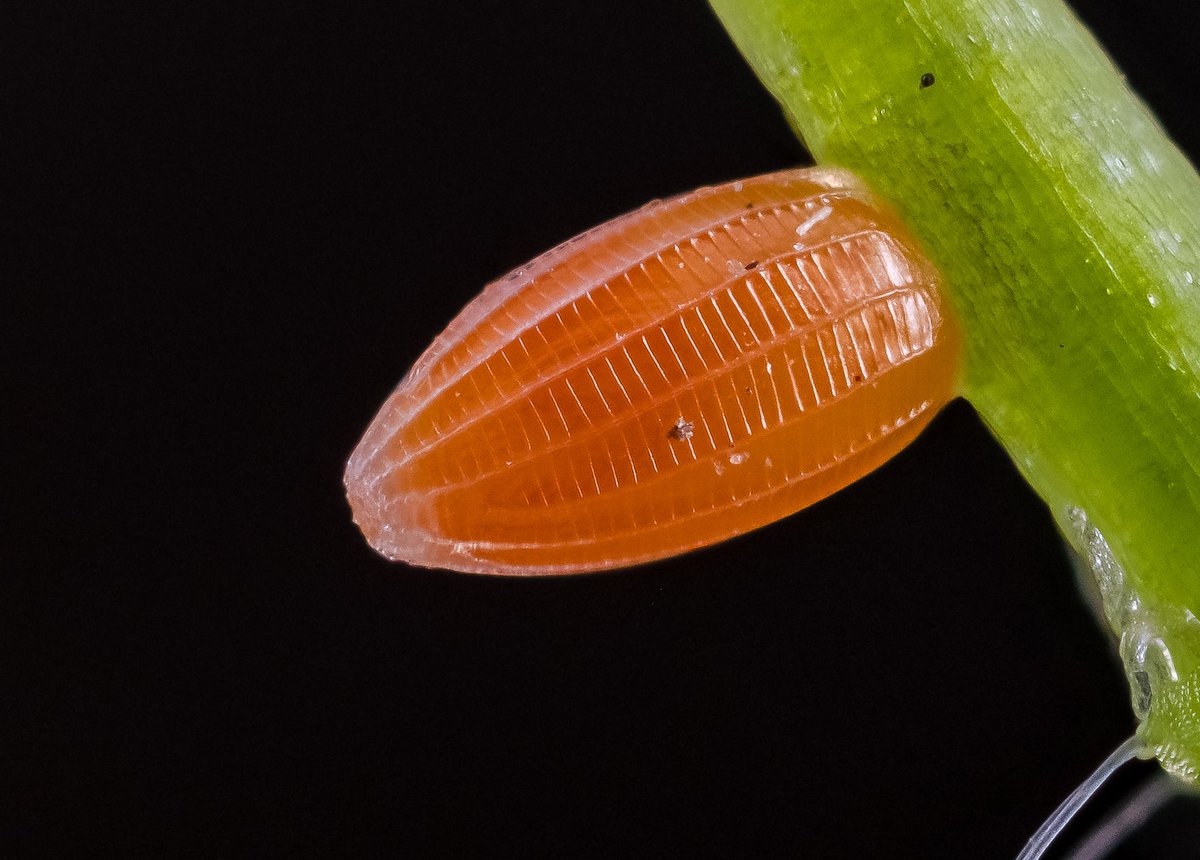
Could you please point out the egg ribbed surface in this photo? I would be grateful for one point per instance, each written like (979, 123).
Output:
(679, 375)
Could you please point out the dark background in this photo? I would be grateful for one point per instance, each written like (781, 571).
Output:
(237, 228)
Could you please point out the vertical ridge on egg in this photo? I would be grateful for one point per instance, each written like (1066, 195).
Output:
(676, 376)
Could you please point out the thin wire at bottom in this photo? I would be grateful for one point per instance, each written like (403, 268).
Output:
(1061, 817)
(1156, 793)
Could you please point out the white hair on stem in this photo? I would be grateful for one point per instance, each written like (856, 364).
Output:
(1061, 817)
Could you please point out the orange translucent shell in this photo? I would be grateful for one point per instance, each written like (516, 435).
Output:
(687, 372)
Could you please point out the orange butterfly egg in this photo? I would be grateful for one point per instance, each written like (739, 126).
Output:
(682, 374)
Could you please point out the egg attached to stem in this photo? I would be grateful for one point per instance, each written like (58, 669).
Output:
(677, 376)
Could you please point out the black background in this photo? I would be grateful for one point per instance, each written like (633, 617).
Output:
(237, 230)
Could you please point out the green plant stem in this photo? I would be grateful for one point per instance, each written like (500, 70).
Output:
(1068, 228)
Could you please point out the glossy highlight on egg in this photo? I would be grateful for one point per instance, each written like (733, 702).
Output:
(677, 376)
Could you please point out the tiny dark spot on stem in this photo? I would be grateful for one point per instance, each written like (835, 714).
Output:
(749, 204)
(1144, 690)
(753, 264)
(681, 430)
(927, 80)
(858, 377)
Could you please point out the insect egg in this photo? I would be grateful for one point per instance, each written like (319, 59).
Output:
(679, 375)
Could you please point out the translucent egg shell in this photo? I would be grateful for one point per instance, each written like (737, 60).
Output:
(679, 375)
